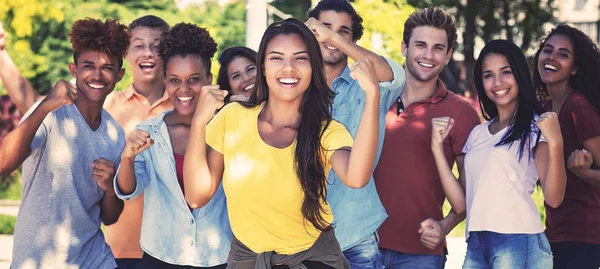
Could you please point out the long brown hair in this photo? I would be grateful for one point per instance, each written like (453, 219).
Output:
(315, 110)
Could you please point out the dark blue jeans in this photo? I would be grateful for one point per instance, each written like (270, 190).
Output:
(149, 262)
(579, 255)
(398, 260)
(127, 263)
(494, 250)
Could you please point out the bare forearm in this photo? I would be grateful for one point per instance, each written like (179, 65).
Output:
(126, 181)
(16, 146)
(452, 188)
(196, 173)
(452, 219)
(356, 53)
(364, 150)
(556, 178)
(18, 88)
(110, 207)
(592, 176)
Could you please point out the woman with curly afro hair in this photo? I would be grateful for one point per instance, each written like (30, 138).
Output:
(173, 234)
(70, 147)
(567, 80)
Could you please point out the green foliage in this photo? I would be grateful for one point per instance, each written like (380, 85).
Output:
(10, 186)
(39, 44)
(7, 224)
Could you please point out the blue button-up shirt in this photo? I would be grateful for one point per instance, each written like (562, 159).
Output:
(358, 213)
(170, 231)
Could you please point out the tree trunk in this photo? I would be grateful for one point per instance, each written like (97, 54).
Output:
(469, 44)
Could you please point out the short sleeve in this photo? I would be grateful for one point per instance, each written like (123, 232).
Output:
(44, 129)
(215, 130)
(336, 136)
(462, 128)
(586, 120)
(468, 143)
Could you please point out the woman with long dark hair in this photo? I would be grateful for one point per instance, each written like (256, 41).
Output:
(505, 157)
(567, 79)
(274, 153)
(174, 236)
(237, 73)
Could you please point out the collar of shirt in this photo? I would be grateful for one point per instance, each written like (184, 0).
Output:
(132, 92)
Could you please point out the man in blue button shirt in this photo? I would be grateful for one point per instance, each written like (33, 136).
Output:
(358, 213)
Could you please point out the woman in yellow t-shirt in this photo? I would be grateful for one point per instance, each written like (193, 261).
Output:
(274, 152)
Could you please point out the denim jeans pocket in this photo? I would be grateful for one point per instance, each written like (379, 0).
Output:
(543, 243)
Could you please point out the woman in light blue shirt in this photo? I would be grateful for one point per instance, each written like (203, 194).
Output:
(174, 235)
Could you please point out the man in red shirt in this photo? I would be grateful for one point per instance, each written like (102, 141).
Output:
(406, 177)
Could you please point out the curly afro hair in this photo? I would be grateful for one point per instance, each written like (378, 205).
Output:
(184, 39)
(587, 60)
(93, 34)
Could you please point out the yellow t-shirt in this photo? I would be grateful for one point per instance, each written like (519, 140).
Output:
(264, 196)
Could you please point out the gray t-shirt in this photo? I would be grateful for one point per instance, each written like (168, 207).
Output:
(58, 225)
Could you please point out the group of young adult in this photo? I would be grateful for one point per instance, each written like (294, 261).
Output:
(297, 158)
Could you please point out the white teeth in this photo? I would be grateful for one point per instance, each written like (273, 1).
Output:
(96, 86)
(330, 47)
(184, 99)
(147, 64)
(249, 87)
(425, 65)
(502, 92)
(551, 67)
(288, 80)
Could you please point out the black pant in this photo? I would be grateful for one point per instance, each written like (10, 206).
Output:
(127, 263)
(570, 255)
(149, 262)
(308, 264)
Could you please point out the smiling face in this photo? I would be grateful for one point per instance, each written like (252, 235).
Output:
(96, 74)
(185, 77)
(287, 67)
(427, 53)
(241, 73)
(499, 82)
(340, 23)
(142, 55)
(556, 61)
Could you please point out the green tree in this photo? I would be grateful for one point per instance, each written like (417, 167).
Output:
(518, 21)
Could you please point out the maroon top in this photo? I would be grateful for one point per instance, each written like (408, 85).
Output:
(179, 170)
(578, 217)
(406, 177)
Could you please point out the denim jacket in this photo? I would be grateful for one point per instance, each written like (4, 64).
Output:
(358, 213)
(170, 231)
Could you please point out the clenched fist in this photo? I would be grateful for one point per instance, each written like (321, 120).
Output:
(580, 162)
(548, 124)
(63, 93)
(440, 128)
(363, 71)
(136, 143)
(321, 32)
(211, 99)
(103, 172)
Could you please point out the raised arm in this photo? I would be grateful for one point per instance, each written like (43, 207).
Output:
(18, 88)
(383, 71)
(453, 188)
(137, 142)
(580, 161)
(203, 166)
(16, 146)
(354, 166)
(549, 160)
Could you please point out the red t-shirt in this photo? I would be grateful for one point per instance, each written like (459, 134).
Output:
(179, 169)
(406, 177)
(578, 217)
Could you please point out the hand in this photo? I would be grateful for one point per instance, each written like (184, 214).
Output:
(432, 233)
(440, 128)
(211, 99)
(364, 72)
(103, 173)
(63, 93)
(3, 36)
(548, 124)
(321, 32)
(580, 162)
(136, 143)
(238, 98)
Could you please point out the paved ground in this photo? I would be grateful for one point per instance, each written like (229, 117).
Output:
(456, 245)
